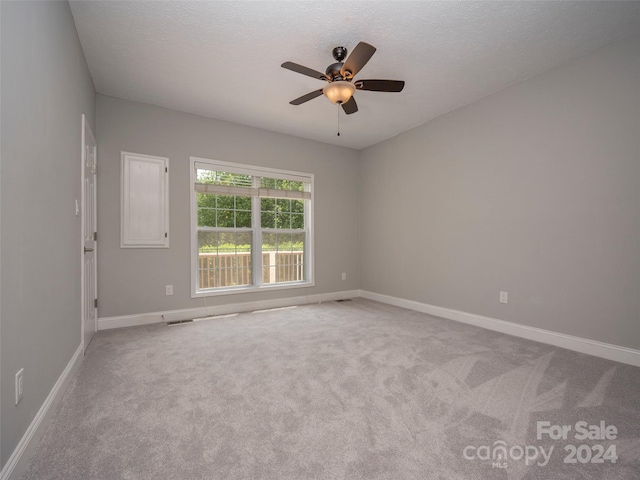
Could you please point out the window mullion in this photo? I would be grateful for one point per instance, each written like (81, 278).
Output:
(256, 247)
(308, 273)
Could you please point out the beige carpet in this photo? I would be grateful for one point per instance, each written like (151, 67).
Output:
(352, 390)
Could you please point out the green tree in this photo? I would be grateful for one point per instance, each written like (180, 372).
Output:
(229, 211)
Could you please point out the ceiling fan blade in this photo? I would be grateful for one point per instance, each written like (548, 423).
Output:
(304, 70)
(380, 85)
(358, 59)
(306, 98)
(350, 107)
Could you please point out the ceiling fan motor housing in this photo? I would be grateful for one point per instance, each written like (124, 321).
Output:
(334, 72)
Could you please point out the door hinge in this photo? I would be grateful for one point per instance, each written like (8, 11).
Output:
(166, 169)
(95, 303)
(166, 234)
(94, 169)
(95, 236)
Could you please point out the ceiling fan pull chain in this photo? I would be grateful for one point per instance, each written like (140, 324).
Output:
(338, 119)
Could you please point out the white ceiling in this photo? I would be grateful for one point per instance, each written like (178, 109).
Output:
(222, 59)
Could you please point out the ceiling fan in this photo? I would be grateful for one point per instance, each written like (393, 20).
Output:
(341, 86)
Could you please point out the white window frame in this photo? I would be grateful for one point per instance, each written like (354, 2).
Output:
(256, 227)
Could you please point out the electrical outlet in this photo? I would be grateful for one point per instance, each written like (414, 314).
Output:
(19, 385)
(504, 297)
(168, 289)
(344, 275)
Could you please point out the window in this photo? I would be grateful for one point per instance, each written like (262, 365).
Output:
(251, 228)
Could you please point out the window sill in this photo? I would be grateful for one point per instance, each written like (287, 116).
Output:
(250, 289)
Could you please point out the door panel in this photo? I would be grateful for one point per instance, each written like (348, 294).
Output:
(89, 279)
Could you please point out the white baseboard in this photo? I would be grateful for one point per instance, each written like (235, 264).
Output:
(577, 344)
(199, 312)
(19, 459)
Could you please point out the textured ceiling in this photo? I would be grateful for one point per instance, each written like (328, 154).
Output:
(222, 59)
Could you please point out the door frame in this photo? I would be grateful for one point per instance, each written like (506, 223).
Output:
(86, 130)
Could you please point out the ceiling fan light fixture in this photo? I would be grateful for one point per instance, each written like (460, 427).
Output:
(339, 92)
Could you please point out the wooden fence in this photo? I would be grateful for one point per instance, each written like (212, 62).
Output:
(233, 269)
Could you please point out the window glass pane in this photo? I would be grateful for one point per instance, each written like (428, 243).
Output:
(283, 204)
(297, 206)
(243, 203)
(224, 259)
(268, 182)
(268, 204)
(275, 213)
(297, 242)
(268, 219)
(243, 219)
(206, 210)
(225, 218)
(267, 215)
(226, 202)
(283, 220)
(269, 243)
(280, 184)
(207, 260)
(223, 178)
(297, 221)
(282, 257)
(206, 217)
(223, 211)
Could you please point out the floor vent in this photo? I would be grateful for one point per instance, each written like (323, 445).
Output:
(344, 300)
(178, 322)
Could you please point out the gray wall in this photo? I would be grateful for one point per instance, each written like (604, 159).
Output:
(45, 88)
(534, 190)
(132, 281)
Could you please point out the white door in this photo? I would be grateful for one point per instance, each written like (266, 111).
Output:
(89, 273)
